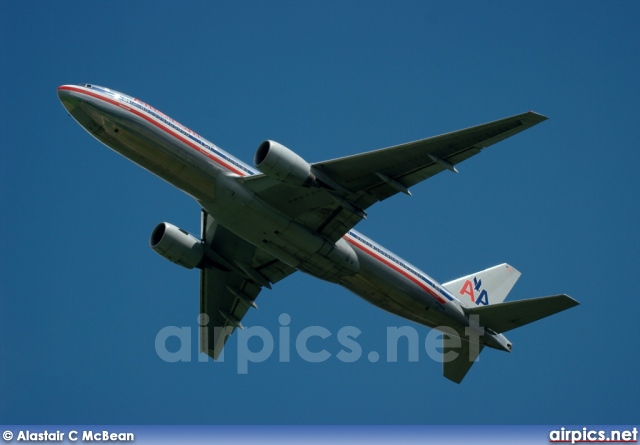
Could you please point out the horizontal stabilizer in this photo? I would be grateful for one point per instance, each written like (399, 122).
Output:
(455, 369)
(503, 317)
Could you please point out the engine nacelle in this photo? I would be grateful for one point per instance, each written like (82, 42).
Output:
(282, 164)
(177, 245)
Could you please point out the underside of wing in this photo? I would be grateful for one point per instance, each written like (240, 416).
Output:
(322, 210)
(229, 287)
(345, 187)
(408, 164)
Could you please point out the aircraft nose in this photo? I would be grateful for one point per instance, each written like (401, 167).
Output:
(66, 96)
(63, 92)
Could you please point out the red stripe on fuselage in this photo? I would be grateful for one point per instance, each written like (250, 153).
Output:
(162, 127)
(241, 173)
(395, 267)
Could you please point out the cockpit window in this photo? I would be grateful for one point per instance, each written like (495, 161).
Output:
(86, 85)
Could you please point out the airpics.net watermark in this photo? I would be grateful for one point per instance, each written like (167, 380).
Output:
(587, 435)
(256, 344)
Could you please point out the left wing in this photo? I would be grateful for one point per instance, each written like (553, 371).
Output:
(351, 184)
(229, 288)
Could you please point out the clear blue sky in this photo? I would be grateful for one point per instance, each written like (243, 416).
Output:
(83, 296)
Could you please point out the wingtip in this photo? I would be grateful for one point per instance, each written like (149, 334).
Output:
(539, 117)
(568, 301)
(573, 300)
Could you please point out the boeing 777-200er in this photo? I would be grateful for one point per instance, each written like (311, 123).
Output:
(261, 225)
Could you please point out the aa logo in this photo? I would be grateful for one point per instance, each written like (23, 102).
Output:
(469, 288)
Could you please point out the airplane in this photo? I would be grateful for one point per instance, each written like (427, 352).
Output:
(260, 225)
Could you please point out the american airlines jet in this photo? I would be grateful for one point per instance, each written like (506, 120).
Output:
(260, 225)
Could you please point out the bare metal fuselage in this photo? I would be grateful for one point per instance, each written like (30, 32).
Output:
(180, 158)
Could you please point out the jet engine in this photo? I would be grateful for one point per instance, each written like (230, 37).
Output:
(177, 245)
(282, 164)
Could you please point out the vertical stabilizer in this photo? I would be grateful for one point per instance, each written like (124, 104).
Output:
(489, 286)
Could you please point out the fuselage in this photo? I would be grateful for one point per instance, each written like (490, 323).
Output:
(210, 175)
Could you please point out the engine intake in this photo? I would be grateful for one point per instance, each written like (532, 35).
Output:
(276, 160)
(177, 245)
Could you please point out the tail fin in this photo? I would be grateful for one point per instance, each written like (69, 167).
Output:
(503, 317)
(489, 286)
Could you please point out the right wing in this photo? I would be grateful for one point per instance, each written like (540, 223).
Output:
(229, 288)
(408, 164)
(351, 184)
